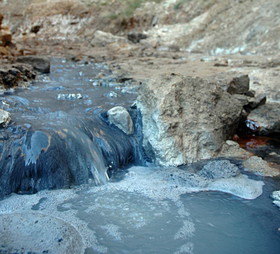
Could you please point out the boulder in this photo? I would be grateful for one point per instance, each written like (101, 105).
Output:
(267, 116)
(39, 63)
(185, 119)
(120, 117)
(5, 118)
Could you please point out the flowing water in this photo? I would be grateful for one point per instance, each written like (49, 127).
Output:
(141, 209)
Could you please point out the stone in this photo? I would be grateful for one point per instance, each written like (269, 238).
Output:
(257, 101)
(19, 234)
(276, 196)
(233, 82)
(185, 119)
(267, 117)
(13, 75)
(232, 149)
(39, 63)
(259, 166)
(239, 85)
(136, 37)
(219, 169)
(5, 38)
(102, 39)
(120, 117)
(70, 96)
(5, 118)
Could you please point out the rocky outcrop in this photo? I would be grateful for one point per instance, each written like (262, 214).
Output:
(185, 119)
(120, 117)
(39, 63)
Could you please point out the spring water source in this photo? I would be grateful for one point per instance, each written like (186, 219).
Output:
(140, 209)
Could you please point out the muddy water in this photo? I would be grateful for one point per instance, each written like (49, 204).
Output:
(138, 210)
(131, 214)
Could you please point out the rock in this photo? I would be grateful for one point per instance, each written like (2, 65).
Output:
(19, 233)
(111, 94)
(1, 19)
(276, 196)
(232, 149)
(267, 117)
(219, 169)
(136, 37)
(185, 119)
(39, 63)
(259, 166)
(257, 101)
(233, 82)
(71, 96)
(120, 117)
(5, 37)
(5, 118)
(239, 85)
(102, 39)
(13, 75)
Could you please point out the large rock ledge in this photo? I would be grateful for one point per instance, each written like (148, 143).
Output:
(186, 119)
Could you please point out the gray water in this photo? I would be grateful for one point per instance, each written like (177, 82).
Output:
(138, 210)
(123, 217)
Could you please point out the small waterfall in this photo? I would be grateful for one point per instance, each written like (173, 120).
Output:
(64, 151)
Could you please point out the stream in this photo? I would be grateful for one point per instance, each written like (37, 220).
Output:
(141, 209)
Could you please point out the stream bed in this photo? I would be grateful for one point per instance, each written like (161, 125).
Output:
(143, 210)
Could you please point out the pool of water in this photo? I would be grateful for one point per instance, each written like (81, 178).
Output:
(122, 217)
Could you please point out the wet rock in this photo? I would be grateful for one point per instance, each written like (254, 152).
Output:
(39, 63)
(102, 39)
(19, 234)
(186, 119)
(111, 94)
(136, 37)
(267, 117)
(5, 118)
(259, 166)
(71, 96)
(219, 169)
(276, 196)
(120, 117)
(33, 160)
